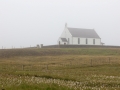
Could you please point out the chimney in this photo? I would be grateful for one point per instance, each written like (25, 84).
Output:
(65, 24)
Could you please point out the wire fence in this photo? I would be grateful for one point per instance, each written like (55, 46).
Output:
(55, 66)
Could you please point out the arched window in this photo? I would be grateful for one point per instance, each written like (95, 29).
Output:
(78, 40)
(93, 41)
(86, 41)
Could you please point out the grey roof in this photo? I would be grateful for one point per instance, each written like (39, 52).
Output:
(64, 39)
(85, 33)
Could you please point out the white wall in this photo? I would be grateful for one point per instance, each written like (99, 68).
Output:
(90, 41)
(75, 40)
(83, 41)
(97, 41)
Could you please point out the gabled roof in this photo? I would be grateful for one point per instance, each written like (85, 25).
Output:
(84, 33)
(64, 39)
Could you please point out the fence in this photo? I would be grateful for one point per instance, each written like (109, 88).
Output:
(53, 66)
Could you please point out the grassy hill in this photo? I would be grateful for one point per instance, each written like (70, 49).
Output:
(52, 52)
(60, 69)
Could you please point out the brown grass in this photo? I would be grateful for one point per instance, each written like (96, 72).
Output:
(91, 67)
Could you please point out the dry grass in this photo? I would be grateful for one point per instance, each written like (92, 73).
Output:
(87, 69)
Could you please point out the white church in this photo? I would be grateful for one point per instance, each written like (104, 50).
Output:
(79, 36)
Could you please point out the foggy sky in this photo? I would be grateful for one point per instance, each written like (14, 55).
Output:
(25, 23)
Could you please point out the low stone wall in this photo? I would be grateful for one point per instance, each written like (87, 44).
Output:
(80, 46)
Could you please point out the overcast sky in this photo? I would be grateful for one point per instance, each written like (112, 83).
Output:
(31, 22)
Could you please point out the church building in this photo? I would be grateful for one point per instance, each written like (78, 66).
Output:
(79, 36)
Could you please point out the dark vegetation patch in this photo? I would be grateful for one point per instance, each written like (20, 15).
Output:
(6, 53)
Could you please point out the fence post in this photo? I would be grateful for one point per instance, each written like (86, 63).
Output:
(109, 60)
(91, 63)
(47, 67)
(22, 67)
(70, 63)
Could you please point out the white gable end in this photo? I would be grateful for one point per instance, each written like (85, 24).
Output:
(66, 34)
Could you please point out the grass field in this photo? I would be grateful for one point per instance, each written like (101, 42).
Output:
(60, 69)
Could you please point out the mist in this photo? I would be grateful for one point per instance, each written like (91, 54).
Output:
(25, 23)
